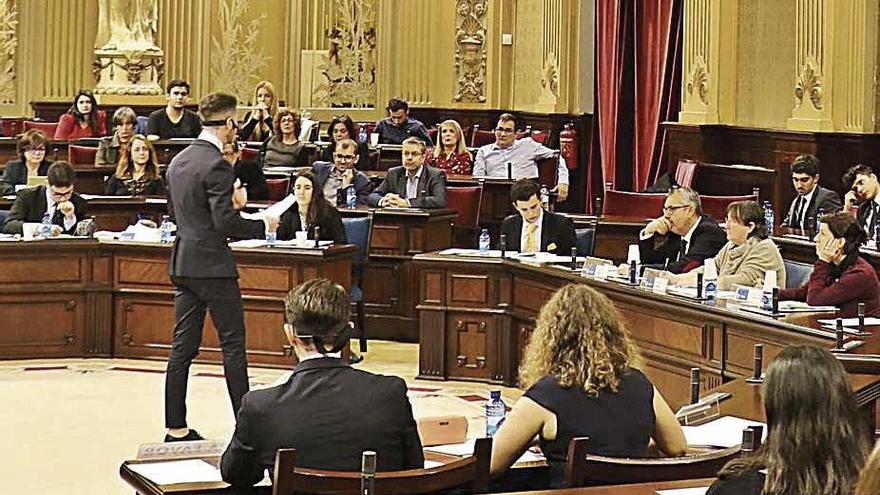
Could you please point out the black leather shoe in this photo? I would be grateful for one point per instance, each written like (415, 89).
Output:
(355, 358)
(192, 436)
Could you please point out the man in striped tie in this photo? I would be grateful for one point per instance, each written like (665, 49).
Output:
(535, 229)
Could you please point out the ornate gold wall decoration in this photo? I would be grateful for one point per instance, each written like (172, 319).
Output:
(8, 44)
(809, 84)
(238, 55)
(698, 80)
(470, 51)
(126, 58)
(350, 65)
(550, 76)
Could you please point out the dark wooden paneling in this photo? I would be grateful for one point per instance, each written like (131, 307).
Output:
(467, 346)
(43, 325)
(432, 351)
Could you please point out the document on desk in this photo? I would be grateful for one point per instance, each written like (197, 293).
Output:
(723, 432)
(171, 472)
(848, 322)
(276, 210)
(473, 253)
(700, 490)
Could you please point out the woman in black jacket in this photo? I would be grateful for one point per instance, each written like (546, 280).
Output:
(311, 210)
(31, 161)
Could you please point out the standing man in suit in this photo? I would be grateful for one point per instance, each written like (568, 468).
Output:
(335, 178)
(683, 237)
(414, 184)
(862, 187)
(202, 266)
(64, 206)
(328, 411)
(811, 196)
(535, 229)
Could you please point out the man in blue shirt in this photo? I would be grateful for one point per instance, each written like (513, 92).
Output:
(398, 126)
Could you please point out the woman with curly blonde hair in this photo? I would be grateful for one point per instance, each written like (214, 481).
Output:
(580, 373)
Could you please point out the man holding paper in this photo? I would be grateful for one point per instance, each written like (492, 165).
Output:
(202, 266)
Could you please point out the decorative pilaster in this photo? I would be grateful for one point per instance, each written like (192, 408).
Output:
(470, 51)
(8, 44)
(814, 64)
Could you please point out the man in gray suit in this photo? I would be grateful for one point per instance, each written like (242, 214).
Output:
(202, 265)
(414, 184)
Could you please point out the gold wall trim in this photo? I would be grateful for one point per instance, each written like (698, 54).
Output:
(470, 52)
(8, 45)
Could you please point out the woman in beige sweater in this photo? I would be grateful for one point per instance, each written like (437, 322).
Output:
(748, 254)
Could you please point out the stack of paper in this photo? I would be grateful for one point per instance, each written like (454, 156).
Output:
(723, 432)
(170, 472)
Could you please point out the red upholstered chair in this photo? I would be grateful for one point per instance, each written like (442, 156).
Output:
(251, 155)
(685, 172)
(481, 138)
(81, 156)
(466, 201)
(47, 128)
(632, 204)
(548, 170)
(432, 133)
(716, 206)
(13, 126)
(542, 137)
(278, 188)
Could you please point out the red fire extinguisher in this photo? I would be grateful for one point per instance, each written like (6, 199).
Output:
(568, 145)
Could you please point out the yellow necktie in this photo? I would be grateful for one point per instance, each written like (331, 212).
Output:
(531, 242)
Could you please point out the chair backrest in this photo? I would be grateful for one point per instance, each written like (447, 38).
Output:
(251, 155)
(432, 133)
(645, 205)
(357, 232)
(716, 206)
(466, 201)
(584, 469)
(81, 155)
(685, 172)
(13, 126)
(796, 274)
(473, 471)
(141, 124)
(278, 188)
(47, 128)
(480, 137)
(548, 171)
(584, 240)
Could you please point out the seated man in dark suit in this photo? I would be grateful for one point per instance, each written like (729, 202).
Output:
(335, 178)
(534, 228)
(862, 187)
(414, 184)
(812, 198)
(329, 412)
(64, 206)
(683, 237)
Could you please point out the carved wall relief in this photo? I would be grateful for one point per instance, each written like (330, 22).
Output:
(237, 51)
(349, 68)
(809, 84)
(470, 51)
(8, 44)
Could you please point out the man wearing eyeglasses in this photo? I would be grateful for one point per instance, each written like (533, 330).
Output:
(64, 206)
(174, 121)
(335, 178)
(413, 184)
(683, 237)
(811, 196)
(522, 154)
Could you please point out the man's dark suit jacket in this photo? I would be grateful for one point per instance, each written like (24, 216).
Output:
(330, 413)
(200, 189)
(328, 219)
(555, 229)
(360, 181)
(862, 214)
(824, 199)
(706, 241)
(15, 173)
(432, 187)
(30, 206)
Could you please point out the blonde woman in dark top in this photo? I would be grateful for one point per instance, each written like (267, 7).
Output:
(258, 122)
(138, 171)
(580, 372)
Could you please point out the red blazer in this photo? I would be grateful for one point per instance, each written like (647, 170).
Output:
(857, 284)
(69, 129)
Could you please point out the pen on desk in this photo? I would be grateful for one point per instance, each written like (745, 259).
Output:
(666, 264)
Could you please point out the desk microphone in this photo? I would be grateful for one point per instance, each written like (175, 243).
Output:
(502, 244)
(699, 286)
(509, 171)
(838, 342)
(759, 433)
(368, 473)
(317, 235)
(695, 385)
(774, 302)
(759, 364)
(574, 257)
(861, 317)
(748, 442)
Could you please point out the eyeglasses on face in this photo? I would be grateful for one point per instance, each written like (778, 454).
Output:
(671, 208)
(344, 158)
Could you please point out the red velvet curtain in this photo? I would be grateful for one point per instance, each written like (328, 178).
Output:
(611, 36)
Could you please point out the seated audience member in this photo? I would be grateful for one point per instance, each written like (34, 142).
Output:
(311, 210)
(82, 120)
(398, 126)
(811, 197)
(682, 238)
(258, 122)
(869, 479)
(861, 185)
(247, 174)
(64, 206)
(580, 373)
(138, 171)
(450, 154)
(840, 276)
(174, 121)
(335, 178)
(285, 147)
(817, 439)
(111, 148)
(749, 251)
(329, 412)
(342, 127)
(32, 162)
(521, 154)
(533, 228)
(413, 184)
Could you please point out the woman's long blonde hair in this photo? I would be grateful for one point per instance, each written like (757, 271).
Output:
(460, 147)
(580, 341)
(273, 108)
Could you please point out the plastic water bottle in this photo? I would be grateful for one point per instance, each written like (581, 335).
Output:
(484, 241)
(362, 136)
(271, 239)
(768, 216)
(165, 230)
(46, 226)
(350, 198)
(495, 412)
(545, 197)
(819, 214)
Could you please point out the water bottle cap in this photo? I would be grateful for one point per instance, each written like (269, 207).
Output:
(484, 231)
(495, 394)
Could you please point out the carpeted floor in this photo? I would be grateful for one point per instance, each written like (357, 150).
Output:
(66, 425)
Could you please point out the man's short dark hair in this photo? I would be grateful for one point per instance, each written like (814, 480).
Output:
(176, 83)
(849, 177)
(508, 117)
(61, 174)
(395, 104)
(317, 307)
(805, 164)
(523, 190)
(215, 105)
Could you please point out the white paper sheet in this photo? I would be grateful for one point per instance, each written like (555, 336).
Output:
(186, 471)
(276, 210)
(459, 449)
(724, 432)
(248, 243)
(700, 490)
(849, 322)
(474, 253)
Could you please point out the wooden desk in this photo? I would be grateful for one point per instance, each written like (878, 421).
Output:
(638, 489)
(84, 298)
(115, 214)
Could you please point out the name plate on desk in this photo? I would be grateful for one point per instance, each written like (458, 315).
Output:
(178, 450)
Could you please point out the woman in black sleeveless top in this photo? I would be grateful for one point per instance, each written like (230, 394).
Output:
(581, 381)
